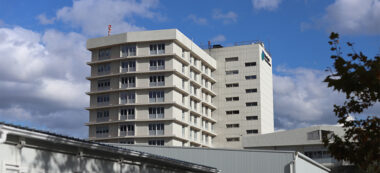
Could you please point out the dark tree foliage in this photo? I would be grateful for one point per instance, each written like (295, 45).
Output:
(358, 78)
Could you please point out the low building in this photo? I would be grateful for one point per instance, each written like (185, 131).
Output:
(304, 140)
(234, 160)
(29, 150)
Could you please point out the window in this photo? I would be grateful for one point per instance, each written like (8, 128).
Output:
(183, 53)
(104, 99)
(232, 59)
(129, 141)
(101, 131)
(156, 96)
(183, 83)
(253, 131)
(128, 82)
(233, 139)
(251, 117)
(127, 114)
(128, 66)
(104, 84)
(229, 99)
(232, 85)
(183, 131)
(156, 142)
(102, 116)
(183, 69)
(231, 72)
(232, 125)
(253, 90)
(156, 80)
(266, 58)
(127, 130)
(248, 64)
(156, 129)
(157, 49)
(128, 50)
(104, 54)
(183, 115)
(127, 97)
(157, 64)
(104, 69)
(156, 112)
(250, 77)
(232, 112)
(251, 104)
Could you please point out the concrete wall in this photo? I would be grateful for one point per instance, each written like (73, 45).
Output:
(264, 109)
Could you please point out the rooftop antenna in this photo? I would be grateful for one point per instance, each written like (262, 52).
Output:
(109, 30)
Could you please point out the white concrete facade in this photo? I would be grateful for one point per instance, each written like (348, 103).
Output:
(151, 87)
(244, 90)
(160, 88)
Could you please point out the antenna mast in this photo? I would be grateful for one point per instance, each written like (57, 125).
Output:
(109, 30)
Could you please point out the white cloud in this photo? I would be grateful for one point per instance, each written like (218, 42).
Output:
(227, 18)
(197, 20)
(93, 16)
(353, 16)
(42, 78)
(44, 20)
(218, 39)
(301, 98)
(266, 4)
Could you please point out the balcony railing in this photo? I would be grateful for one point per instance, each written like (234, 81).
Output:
(127, 117)
(127, 133)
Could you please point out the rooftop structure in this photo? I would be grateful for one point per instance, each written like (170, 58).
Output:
(305, 140)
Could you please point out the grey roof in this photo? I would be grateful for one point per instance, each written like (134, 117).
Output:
(110, 148)
(290, 137)
(230, 160)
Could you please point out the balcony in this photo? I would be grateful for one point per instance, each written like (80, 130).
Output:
(156, 132)
(127, 117)
(127, 133)
(128, 85)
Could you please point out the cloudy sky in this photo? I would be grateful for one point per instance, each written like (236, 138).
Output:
(43, 56)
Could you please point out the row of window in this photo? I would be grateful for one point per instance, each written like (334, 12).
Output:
(233, 72)
(150, 142)
(237, 139)
(130, 66)
(130, 50)
(235, 112)
(232, 59)
(130, 82)
(248, 104)
(130, 97)
(129, 113)
(129, 130)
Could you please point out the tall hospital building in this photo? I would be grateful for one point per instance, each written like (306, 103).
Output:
(159, 88)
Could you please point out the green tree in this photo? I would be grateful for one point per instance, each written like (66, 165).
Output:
(358, 77)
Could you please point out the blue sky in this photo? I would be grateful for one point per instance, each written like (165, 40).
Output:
(50, 36)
